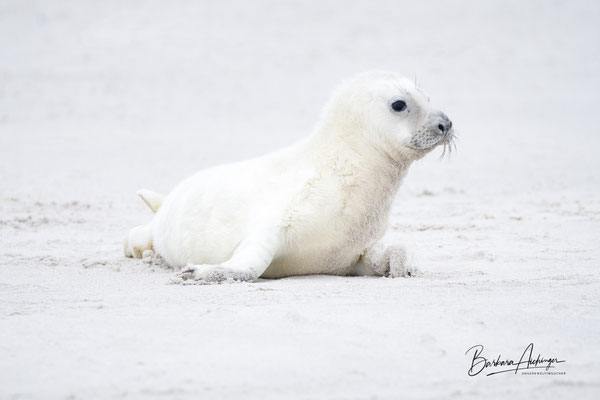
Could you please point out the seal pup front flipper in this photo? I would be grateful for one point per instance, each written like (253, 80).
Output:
(152, 199)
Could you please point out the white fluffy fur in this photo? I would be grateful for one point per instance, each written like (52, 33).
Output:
(317, 207)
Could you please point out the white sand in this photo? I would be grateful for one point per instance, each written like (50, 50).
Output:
(98, 99)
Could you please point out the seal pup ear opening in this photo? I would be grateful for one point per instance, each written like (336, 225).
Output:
(152, 199)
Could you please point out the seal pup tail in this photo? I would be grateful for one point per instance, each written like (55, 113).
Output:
(152, 199)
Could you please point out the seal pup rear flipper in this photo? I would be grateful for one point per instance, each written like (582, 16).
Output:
(152, 199)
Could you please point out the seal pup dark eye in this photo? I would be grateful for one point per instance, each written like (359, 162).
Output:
(399, 106)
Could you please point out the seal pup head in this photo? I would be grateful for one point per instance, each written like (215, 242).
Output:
(390, 112)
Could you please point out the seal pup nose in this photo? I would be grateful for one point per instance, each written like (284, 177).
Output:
(444, 125)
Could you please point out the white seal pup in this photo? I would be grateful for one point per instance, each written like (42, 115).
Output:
(317, 207)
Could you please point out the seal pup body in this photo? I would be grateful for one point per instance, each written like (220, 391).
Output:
(317, 207)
